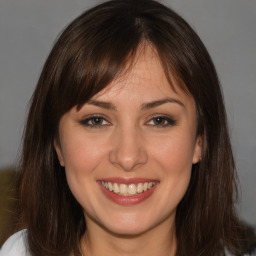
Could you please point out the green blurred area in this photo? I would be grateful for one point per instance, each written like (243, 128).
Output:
(8, 203)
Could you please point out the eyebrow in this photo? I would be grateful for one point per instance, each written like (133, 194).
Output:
(157, 103)
(102, 104)
(144, 106)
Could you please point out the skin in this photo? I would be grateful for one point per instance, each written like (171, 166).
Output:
(130, 142)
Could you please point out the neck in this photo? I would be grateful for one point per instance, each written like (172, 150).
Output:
(160, 240)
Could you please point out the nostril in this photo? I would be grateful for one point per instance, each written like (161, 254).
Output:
(128, 160)
(128, 151)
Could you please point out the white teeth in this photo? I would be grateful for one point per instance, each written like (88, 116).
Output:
(132, 189)
(116, 188)
(128, 190)
(123, 189)
(110, 187)
(139, 188)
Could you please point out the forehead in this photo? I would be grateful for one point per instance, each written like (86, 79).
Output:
(144, 78)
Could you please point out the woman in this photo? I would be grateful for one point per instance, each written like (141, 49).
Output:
(126, 149)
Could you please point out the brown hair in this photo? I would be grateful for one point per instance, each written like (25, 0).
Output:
(93, 50)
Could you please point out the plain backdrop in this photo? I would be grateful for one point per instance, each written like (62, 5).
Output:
(28, 29)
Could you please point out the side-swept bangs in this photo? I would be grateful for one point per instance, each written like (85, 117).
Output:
(100, 44)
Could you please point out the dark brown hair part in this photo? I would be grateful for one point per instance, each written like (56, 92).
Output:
(92, 51)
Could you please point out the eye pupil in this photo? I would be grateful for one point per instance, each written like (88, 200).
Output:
(159, 120)
(96, 120)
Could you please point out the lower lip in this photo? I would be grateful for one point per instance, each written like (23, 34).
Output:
(127, 200)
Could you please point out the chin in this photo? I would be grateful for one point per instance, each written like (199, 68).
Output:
(129, 230)
(129, 225)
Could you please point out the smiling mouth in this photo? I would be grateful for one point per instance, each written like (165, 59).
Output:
(128, 189)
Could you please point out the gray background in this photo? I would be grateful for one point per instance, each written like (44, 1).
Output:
(28, 29)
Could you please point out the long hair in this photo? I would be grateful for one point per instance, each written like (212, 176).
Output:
(91, 52)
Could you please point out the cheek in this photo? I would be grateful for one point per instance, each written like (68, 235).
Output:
(171, 157)
(81, 154)
(174, 152)
(175, 156)
(82, 157)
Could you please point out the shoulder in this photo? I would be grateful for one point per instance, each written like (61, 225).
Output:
(15, 245)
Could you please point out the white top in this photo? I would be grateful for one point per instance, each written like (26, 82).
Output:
(15, 245)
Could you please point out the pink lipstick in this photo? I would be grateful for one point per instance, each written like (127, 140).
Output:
(128, 191)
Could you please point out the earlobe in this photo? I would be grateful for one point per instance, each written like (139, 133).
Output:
(198, 150)
(59, 153)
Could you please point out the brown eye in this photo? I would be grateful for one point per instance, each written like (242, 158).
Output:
(161, 121)
(95, 122)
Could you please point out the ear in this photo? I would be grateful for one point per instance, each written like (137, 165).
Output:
(59, 152)
(198, 149)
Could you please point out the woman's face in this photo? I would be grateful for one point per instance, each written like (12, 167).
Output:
(128, 152)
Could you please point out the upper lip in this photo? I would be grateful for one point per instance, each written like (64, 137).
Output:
(122, 180)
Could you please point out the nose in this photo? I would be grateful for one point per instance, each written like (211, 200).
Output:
(128, 151)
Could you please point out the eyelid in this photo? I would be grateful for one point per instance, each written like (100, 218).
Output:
(86, 119)
(171, 121)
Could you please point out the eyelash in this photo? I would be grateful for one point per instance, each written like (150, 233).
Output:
(167, 121)
(86, 122)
